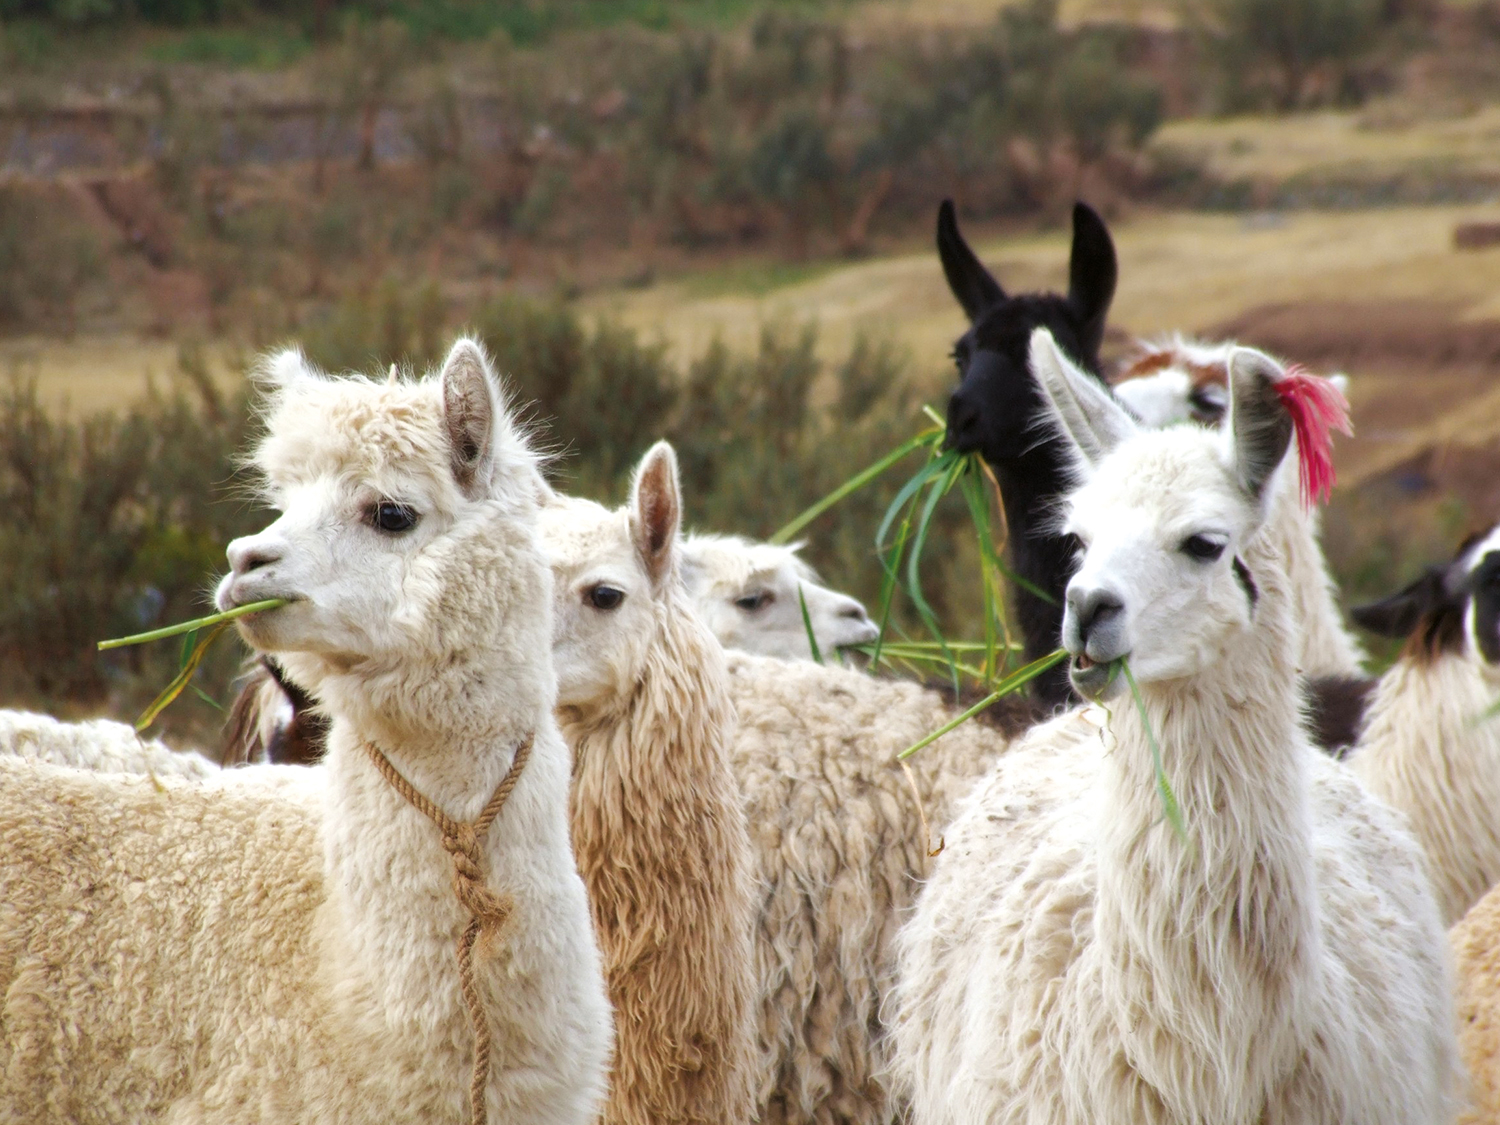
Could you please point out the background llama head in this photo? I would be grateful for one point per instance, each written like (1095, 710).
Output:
(747, 594)
(611, 571)
(1181, 380)
(996, 401)
(406, 518)
(1452, 609)
(1163, 518)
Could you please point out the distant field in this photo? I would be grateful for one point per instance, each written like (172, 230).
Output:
(1381, 293)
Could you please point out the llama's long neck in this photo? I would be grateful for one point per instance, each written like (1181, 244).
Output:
(661, 842)
(1427, 751)
(1028, 491)
(450, 724)
(1209, 946)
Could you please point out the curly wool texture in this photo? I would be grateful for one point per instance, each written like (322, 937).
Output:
(1476, 953)
(662, 847)
(841, 852)
(95, 744)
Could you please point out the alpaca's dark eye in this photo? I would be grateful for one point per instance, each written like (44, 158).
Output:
(392, 517)
(604, 597)
(1202, 548)
(758, 600)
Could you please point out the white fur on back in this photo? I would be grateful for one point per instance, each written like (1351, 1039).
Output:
(95, 744)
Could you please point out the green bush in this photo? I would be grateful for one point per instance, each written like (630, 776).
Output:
(1275, 49)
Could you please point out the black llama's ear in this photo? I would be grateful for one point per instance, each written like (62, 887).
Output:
(1092, 273)
(1399, 614)
(976, 289)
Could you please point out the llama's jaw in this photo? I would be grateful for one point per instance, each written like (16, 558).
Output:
(1096, 679)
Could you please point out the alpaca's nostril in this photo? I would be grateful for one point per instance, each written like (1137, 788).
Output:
(854, 613)
(1091, 608)
(245, 557)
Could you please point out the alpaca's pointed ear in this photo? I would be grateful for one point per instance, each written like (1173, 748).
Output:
(281, 371)
(974, 286)
(1083, 412)
(1259, 426)
(656, 510)
(1092, 273)
(470, 403)
(1397, 615)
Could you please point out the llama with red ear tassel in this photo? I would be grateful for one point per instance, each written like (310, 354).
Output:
(1175, 909)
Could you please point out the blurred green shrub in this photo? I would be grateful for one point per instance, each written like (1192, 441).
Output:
(1277, 51)
(115, 523)
(46, 259)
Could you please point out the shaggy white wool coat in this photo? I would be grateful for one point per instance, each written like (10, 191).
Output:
(1072, 960)
(838, 834)
(1424, 750)
(251, 948)
(95, 744)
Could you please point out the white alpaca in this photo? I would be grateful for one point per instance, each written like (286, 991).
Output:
(95, 744)
(1176, 381)
(1425, 748)
(748, 594)
(657, 821)
(277, 944)
(1072, 959)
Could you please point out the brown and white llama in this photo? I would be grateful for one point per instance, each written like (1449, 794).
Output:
(657, 822)
(278, 945)
(1073, 958)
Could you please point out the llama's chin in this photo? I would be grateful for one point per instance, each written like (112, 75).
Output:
(1097, 680)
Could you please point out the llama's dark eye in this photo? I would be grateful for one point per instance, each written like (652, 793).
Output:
(391, 517)
(604, 597)
(1202, 548)
(758, 600)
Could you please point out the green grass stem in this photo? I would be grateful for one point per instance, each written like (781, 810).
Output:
(1016, 680)
(1163, 786)
(193, 626)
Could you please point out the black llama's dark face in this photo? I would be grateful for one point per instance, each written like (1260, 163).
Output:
(996, 403)
(1449, 608)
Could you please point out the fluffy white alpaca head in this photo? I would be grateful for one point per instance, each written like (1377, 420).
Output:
(1180, 380)
(1162, 518)
(395, 499)
(610, 571)
(747, 594)
(1452, 609)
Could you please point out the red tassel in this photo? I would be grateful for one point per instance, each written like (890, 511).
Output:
(1317, 407)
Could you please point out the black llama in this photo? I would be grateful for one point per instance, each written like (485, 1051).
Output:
(996, 405)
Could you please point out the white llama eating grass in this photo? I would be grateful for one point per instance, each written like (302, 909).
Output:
(278, 945)
(751, 596)
(1072, 959)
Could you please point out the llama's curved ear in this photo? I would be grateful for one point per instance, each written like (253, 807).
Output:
(469, 409)
(1083, 412)
(1092, 274)
(1397, 615)
(1259, 426)
(656, 510)
(974, 286)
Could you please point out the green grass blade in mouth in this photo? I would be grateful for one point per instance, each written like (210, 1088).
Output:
(854, 484)
(191, 626)
(1163, 786)
(812, 640)
(1016, 680)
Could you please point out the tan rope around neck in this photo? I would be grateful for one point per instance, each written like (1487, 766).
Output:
(488, 911)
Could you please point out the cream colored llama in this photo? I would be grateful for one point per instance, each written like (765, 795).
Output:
(1426, 748)
(1072, 958)
(278, 945)
(1476, 950)
(751, 595)
(657, 823)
